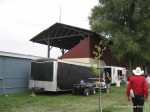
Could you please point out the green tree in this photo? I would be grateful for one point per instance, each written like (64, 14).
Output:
(127, 24)
(99, 50)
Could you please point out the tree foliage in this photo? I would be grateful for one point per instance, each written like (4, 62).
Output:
(98, 54)
(127, 24)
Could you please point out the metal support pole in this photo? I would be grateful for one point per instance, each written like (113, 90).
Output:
(48, 52)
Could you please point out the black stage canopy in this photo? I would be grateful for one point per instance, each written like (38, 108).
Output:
(62, 36)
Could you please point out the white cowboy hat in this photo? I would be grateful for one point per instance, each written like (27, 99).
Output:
(138, 71)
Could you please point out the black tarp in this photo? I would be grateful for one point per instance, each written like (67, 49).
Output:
(70, 74)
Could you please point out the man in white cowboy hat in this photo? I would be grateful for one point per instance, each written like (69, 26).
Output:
(138, 84)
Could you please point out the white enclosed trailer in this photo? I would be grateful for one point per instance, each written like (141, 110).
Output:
(57, 75)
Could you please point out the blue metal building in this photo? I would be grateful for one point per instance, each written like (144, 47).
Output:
(14, 72)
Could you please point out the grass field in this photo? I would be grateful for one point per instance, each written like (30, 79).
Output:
(66, 102)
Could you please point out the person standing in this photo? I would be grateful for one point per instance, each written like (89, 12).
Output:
(108, 83)
(137, 84)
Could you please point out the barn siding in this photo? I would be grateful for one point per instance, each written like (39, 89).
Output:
(85, 50)
(81, 50)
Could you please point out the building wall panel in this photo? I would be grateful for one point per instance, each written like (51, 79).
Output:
(15, 73)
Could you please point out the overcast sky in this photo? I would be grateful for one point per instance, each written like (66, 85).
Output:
(21, 20)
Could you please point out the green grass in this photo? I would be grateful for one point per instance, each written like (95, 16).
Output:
(66, 102)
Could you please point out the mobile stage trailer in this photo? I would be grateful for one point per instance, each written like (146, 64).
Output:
(57, 75)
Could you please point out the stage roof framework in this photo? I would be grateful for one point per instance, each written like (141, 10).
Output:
(62, 36)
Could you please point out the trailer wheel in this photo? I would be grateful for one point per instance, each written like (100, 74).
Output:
(93, 90)
(86, 92)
